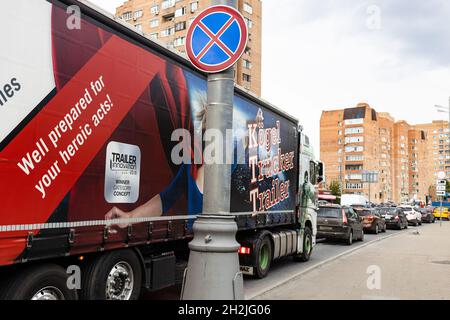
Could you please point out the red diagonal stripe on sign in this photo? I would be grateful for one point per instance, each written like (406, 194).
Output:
(215, 38)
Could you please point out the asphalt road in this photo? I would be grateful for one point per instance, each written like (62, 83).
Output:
(286, 270)
(414, 264)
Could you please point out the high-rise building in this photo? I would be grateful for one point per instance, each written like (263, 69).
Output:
(168, 21)
(406, 157)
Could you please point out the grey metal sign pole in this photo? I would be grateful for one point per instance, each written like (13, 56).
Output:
(213, 268)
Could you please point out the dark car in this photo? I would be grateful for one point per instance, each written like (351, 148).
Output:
(427, 215)
(372, 221)
(336, 222)
(394, 218)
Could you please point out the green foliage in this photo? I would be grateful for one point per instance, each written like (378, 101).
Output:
(335, 188)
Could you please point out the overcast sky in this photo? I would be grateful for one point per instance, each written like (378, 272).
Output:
(330, 54)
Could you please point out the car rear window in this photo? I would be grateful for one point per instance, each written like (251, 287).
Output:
(392, 211)
(330, 212)
(365, 212)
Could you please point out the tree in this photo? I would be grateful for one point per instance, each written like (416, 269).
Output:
(335, 188)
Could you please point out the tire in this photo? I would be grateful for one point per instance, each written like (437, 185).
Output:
(350, 238)
(39, 282)
(102, 273)
(263, 251)
(307, 243)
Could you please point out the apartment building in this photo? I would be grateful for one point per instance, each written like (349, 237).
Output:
(354, 140)
(168, 21)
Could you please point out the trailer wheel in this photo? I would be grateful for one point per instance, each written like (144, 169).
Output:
(263, 251)
(307, 247)
(40, 282)
(114, 275)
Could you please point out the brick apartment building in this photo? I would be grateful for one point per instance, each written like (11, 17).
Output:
(168, 20)
(406, 157)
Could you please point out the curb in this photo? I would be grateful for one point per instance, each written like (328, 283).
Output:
(318, 265)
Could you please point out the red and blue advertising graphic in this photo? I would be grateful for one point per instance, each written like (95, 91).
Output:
(87, 118)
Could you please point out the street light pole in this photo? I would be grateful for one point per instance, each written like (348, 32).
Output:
(213, 268)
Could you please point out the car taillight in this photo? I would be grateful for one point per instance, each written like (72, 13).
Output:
(370, 218)
(396, 218)
(244, 250)
(344, 217)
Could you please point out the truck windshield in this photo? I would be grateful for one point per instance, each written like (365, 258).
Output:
(329, 212)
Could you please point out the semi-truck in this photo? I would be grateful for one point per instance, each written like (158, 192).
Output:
(101, 167)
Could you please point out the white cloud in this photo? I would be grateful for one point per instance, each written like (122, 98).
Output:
(328, 55)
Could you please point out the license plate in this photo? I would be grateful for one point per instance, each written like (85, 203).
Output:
(247, 270)
(387, 217)
(326, 228)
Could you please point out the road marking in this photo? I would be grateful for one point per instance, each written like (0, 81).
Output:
(316, 266)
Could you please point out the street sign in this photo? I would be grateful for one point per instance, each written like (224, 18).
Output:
(441, 175)
(440, 188)
(216, 39)
(441, 182)
(441, 193)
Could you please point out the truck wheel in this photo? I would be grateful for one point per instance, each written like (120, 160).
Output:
(307, 247)
(40, 282)
(115, 275)
(263, 250)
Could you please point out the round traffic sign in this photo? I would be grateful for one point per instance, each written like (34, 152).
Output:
(441, 175)
(216, 38)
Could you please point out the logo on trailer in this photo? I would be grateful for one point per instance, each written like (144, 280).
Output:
(216, 39)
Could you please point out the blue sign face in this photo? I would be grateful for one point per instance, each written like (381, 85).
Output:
(216, 39)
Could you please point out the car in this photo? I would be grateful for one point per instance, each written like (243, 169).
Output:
(441, 212)
(372, 221)
(335, 222)
(427, 215)
(413, 215)
(394, 218)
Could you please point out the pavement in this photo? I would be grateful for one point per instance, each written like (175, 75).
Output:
(409, 264)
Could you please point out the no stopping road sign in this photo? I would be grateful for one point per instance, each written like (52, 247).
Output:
(216, 39)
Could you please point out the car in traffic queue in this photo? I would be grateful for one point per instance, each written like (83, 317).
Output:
(413, 216)
(394, 217)
(372, 220)
(335, 222)
(427, 215)
(441, 212)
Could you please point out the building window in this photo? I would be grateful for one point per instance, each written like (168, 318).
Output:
(179, 41)
(180, 12)
(354, 130)
(154, 10)
(354, 121)
(167, 32)
(154, 23)
(138, 26)
(358, 157)
(339, 141)
(354, 149)
(180, 26)
(248, 22)
(138, 14)
(353, 139)
(167, 4)
(127, 15)
(194, 6)
(248, 8)
(247, 64)
(246, 77)
(154, 36)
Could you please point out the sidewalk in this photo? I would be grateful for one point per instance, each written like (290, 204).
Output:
(411, 266)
